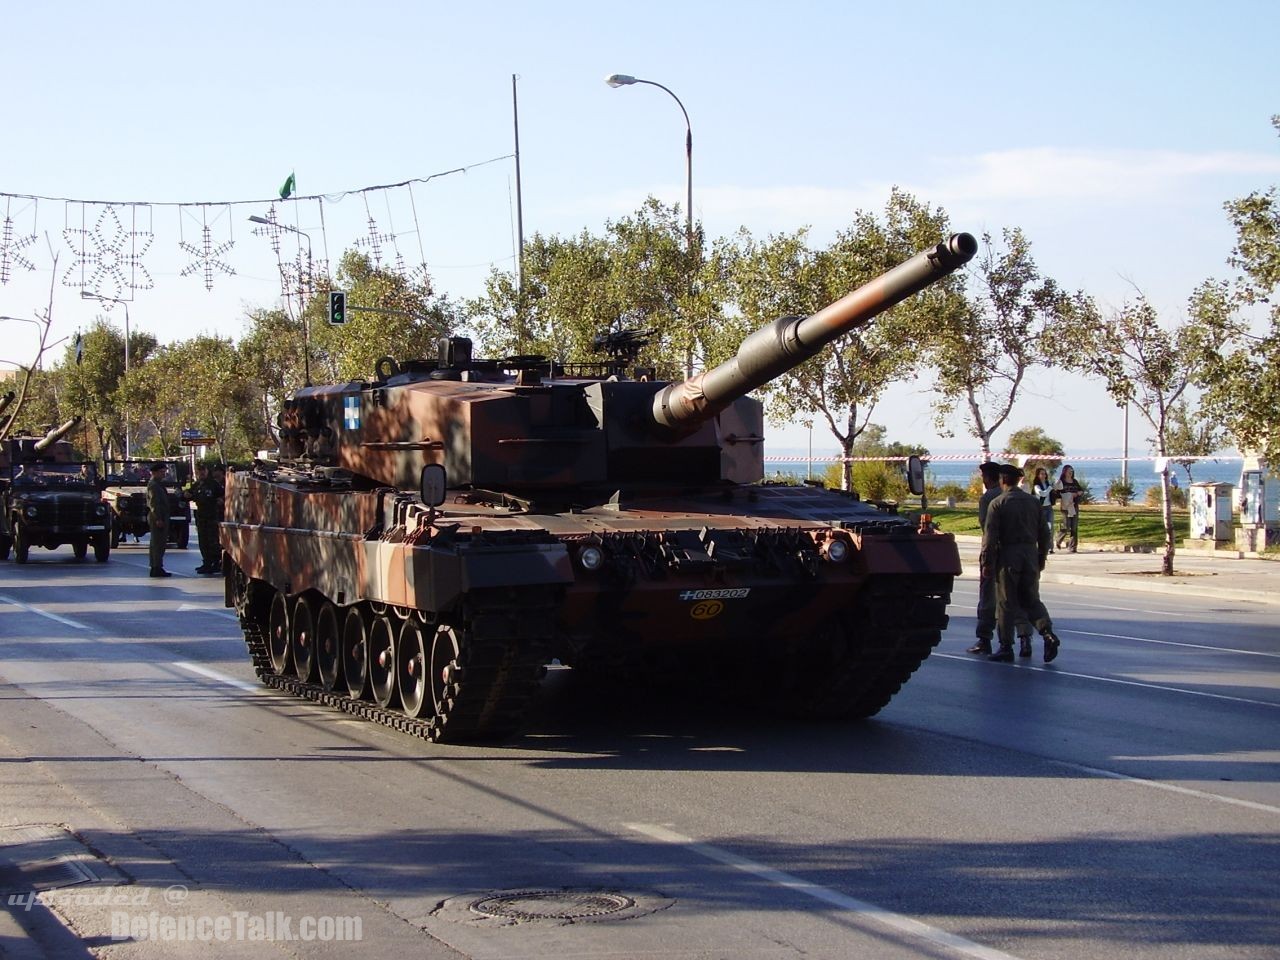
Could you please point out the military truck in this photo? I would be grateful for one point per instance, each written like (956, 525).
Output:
(49, 497)
(125, 494)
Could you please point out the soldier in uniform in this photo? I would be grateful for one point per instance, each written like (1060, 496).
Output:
(207, 497)
(1015, 543)
(158, 519)
(986, 625)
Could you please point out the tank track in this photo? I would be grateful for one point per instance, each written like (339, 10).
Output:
(504, 662)
(897, 622)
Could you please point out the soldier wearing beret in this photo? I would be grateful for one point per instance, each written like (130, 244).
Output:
(1015, 543)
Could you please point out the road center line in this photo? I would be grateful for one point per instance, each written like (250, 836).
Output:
(220, 677)
(897, 921)
(1128, 683)
(65, 621)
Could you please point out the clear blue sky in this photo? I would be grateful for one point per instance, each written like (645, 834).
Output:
(1111, 133)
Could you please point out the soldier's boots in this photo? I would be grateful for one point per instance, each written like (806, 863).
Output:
(1051, 644)
(983, 646)
(1024, 646)
(160, 572)
(1004, 654)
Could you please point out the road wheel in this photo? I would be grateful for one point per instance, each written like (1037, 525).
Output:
(21, 546)
(80, 548)
(328, 646)
(411, 670)
(443, 669)
(278, 634)
(102, 547)
(302, 641)
(382, 661)
(355, 654)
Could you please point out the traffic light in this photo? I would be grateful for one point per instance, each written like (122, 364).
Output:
(337, 307)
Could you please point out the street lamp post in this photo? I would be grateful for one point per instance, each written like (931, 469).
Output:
(623, 80)
(90, 295)
(306, 326)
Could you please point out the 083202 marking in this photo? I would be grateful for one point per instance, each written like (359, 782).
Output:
(736, 593)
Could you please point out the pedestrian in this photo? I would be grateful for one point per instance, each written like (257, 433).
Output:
(1015, 543)
(158, 519)
(1042, 488)
(207, 498)
(986, 622)
(1069, 493)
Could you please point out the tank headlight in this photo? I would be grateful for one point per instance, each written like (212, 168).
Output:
(31, 512)
(591, 558)
(101, 509)
(837, 551)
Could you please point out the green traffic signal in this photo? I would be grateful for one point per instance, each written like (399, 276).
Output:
(337, 306)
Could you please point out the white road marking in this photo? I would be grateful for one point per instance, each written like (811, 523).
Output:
(1170, 787)
(45, 613)
(1127, 683)
(897, 921)
(220, 677)
(206, 608)
(1174, 643)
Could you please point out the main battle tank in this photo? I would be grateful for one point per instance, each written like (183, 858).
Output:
(426, 543)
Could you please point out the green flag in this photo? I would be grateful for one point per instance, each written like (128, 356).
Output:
(290, 185)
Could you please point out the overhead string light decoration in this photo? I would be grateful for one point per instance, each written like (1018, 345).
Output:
(114, 244)
(107, 251)
(206, 257)
(12, 243)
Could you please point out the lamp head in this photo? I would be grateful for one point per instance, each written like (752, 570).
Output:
(619, 80)
(260, 220)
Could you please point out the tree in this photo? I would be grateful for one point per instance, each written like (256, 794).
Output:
(639, 275)
(93, 380)
(1191, 434)
(1151, 367)
(1034, 440)
(389, 314)
(1241, 369)
(783, 276)
(983, 352)
(879, 471)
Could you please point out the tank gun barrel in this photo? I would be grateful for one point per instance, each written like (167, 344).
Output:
(789, 341)
(56, 434)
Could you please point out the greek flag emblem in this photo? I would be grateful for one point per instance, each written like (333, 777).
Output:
(351, 412)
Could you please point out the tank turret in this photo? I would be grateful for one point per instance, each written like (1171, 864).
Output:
(532, 429)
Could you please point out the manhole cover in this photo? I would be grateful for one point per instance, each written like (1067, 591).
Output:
(565, 906)
(551, 905)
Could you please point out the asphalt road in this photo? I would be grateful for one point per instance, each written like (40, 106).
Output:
(1123, 799)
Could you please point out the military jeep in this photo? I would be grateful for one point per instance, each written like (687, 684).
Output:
(48, 498)
(125, 494)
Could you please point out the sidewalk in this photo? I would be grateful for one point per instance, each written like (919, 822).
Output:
(1195, 573)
